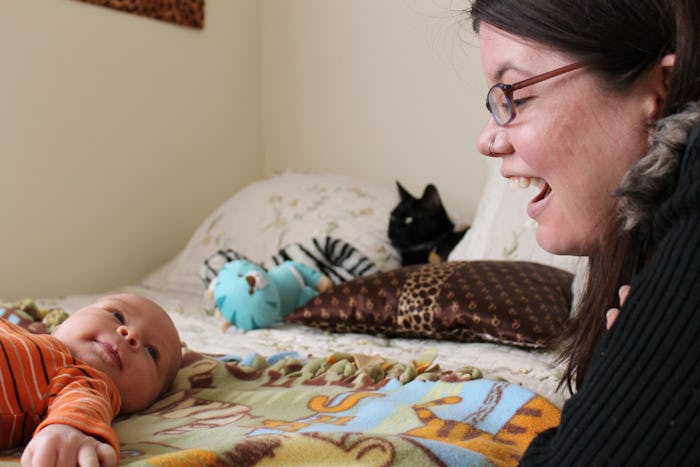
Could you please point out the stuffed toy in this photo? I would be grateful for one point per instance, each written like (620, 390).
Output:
(250, 297)
(27, 314)
(335, 257)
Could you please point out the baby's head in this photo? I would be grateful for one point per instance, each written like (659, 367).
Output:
(130, 338)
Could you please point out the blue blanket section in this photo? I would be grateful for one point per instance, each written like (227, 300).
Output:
(248, 359)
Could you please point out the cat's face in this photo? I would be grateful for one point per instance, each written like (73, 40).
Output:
(415, 221)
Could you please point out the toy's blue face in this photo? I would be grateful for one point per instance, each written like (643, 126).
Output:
(246, 297)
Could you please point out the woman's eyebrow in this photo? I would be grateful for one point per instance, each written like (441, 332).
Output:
(500, 71)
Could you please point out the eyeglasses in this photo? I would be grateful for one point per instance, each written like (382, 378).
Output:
(499, 100)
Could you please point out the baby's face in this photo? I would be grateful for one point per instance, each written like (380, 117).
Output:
(131, 339)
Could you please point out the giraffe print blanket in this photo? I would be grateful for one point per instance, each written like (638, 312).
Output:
(337, 410)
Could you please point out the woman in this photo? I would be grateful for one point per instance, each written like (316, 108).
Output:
(601, 114)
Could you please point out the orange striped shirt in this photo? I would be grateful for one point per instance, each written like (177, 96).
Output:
(41, 384)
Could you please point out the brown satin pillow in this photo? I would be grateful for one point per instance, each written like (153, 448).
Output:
(513, 302)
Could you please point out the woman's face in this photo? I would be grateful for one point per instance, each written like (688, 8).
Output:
(571, 137)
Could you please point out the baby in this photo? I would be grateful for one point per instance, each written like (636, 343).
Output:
(117, 355)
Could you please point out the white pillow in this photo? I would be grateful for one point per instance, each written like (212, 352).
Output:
(286, 208)
(501, 229)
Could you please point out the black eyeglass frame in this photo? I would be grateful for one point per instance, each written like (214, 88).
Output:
(508, 89)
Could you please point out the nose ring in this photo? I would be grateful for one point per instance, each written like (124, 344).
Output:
(491, 153)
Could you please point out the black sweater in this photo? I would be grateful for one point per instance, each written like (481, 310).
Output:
(640, 404)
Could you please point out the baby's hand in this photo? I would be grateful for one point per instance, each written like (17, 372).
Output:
(63, 445)
(324, 284)
(611, 314)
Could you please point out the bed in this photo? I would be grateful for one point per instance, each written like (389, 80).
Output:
(310, 391)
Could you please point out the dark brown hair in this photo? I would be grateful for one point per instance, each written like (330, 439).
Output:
(618, 40)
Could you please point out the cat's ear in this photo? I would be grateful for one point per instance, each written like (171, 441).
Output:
(431, 196)
(402, 192)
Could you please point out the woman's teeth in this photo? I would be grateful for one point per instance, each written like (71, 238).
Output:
(524, 182)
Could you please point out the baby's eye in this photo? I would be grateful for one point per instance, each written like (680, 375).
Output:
(118, 316)
(152, 352)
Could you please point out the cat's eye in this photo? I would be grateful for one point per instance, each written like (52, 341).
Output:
(408, 220)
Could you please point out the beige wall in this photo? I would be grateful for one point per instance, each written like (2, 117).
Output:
(383, 89)
(119, 134)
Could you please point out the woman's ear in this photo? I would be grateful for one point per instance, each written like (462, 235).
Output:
(666, 70)
(667, 63)
(660, 80)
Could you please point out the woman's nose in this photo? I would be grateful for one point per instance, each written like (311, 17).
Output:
(131, 335)
(492, 140)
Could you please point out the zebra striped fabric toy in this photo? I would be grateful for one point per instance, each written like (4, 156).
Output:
(333, 257)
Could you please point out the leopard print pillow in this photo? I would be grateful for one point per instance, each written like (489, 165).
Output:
(184, 12)
(513, 302)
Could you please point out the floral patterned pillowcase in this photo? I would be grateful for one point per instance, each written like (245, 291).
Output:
(287, 208)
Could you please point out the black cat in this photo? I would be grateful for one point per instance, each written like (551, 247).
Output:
(421, 229)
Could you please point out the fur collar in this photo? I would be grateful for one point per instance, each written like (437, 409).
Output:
(651, 180)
